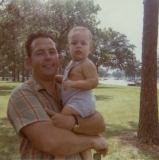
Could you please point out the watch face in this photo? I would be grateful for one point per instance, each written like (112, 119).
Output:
(76, 127)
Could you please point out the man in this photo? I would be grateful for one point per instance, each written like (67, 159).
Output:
(41, 137)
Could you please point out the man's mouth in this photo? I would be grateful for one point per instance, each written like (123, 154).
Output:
(48, 65)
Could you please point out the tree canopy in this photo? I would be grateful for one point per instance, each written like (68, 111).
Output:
(111, 49)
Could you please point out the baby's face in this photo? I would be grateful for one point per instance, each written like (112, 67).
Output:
(79, 45)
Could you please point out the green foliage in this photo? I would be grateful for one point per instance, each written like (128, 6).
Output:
(20, 18)
(112, 50)
(118, 74)
(103, 73)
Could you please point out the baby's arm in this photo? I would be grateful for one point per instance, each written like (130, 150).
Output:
(59, 78)
(89, 72)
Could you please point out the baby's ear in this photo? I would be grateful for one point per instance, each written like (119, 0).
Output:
(90, 49)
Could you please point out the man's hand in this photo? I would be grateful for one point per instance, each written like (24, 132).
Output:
(61, 120)
(68, 84)
(101, 146)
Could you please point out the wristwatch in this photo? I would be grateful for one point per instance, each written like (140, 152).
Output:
(76, 127)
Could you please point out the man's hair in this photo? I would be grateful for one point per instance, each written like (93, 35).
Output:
(34, 36)
(82, 29)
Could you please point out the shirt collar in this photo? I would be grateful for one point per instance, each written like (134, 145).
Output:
(37, 84)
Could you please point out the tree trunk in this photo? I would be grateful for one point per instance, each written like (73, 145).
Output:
(148, 116)
(3, 73)
(14, 71)
(23, 76)
(18, 69)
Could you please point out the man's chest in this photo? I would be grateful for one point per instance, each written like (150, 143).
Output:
(49, 101)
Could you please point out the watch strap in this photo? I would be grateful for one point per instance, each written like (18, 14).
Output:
(76, 127)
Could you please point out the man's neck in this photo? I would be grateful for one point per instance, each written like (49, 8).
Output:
(51, 88)
(48, 83)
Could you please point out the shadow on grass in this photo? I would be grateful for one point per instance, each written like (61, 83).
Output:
(102, 97)
(133, 125)
(6, 90)
(127, 138)
(104, 86)
(113, 130)
(9, 147)
(13, 82)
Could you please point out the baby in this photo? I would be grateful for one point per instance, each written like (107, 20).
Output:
(80, 77)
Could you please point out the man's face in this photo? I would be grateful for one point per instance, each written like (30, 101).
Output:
(44, 59)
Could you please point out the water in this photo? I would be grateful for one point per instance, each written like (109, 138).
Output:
(116, 82)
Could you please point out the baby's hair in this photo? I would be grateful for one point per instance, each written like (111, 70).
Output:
(82, 29)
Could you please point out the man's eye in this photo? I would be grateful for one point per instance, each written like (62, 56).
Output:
(52, 52)
(39, 53)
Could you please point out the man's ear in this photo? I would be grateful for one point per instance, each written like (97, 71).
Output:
(28, 62)
(59, 57)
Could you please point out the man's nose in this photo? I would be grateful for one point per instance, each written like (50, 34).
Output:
(47, 55)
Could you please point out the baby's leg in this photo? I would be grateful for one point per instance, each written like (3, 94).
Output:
(86, 155)
(69, 111)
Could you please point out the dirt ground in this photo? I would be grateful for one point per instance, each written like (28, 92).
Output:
(130, 139)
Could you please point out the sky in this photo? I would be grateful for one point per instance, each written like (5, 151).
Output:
(126, 17)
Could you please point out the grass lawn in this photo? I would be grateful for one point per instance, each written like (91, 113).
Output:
(8, 141)
(119, 106)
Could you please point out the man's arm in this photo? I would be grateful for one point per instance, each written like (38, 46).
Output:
(92, 125)
(61, 142)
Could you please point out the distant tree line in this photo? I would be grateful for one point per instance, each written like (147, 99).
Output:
(111, 49)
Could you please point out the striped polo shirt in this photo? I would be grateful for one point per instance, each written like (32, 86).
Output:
(26, 106)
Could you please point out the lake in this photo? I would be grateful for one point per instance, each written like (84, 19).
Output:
(116, 82)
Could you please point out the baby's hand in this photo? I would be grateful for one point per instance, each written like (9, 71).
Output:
(68, 84)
